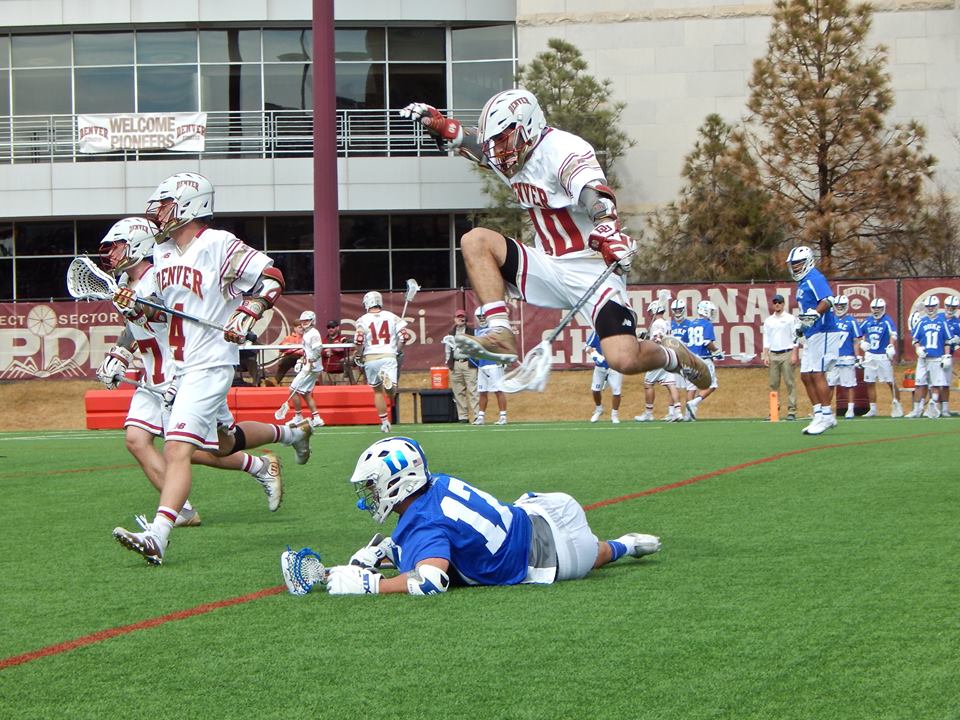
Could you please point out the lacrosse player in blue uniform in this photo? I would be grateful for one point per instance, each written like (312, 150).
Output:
(931, 338)
(703, 342)
(821, 340)
(844, 372)
(452, 532)
(603, 376)
(952, 312)
(878, 337)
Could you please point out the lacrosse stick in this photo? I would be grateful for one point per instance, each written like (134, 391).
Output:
(743, 357)
(302, 570)
(85, 281)
(532, 373)
(412, 288)
(282, 411)
(142, 386)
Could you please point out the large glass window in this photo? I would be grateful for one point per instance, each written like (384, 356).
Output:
(411, 43)
(4, 92)
(287, 87)
(167, 88)
(104, 90)
(42, 92)
(41, 278)
(355, 44)
(290, 233)
(32, 51)
(6, 279)
(363, 271)
(364, 232)
(103, 48)
(482, 43)
(90, 233)
(418, 82)
(229, 46)
(360, 85)
(230, 87)
(297, 269)
(420, 231)
(248, 229)
(287, 45)
(44, 238)
(162, 47)
(476, 82)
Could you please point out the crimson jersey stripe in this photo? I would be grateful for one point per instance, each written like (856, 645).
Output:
(560, 240)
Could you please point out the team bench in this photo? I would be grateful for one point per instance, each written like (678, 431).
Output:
(338, 405)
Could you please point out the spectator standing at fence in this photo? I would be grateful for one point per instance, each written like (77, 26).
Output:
(780, 353)
(463, 372)
(336, 363)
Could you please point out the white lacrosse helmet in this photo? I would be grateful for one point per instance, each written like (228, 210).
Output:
(932, 305)
(308, 317)
(840, 304)
(878, 306)
(800, 261)
(387, 473)
(372, 299)
(481, 318)
(678, 308)
(137, 234)
(178, 200)
(952, 302)
(655, 307)
(915, 318)
(510, 125)
(706, 309)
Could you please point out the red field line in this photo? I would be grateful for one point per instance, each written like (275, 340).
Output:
(96, 637)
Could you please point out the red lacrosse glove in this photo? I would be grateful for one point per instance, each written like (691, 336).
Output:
(615, 247)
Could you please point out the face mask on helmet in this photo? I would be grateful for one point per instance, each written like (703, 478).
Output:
(481, 318)
(932, 305)
(178, 200)
(307, 319)
(510, 125)
(372, 299)
(706, 309)
(800, 261)
(840, 305)
(952, 304)
(654, 308)
(678, 308)
(127, 243)
(878, 307)
(387, 473)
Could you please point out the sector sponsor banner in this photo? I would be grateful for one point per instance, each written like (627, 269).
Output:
(180, 132)
(913, 293)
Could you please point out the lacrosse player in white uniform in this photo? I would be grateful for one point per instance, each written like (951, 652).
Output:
(556, 176)
(380, 333)
(659, 330)
(203, 272)
(123, 252)
(489, 380)
(311, 365)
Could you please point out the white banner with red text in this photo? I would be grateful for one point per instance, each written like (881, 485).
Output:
(180, 132)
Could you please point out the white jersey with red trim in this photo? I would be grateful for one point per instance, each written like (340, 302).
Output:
(206, 280)
(548, 186)
(151, 338)
(312, 349)
(659, 329)
(380, 332)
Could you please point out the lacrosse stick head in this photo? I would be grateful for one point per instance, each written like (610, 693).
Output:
(301, 570)
(282, 411)
(412, 288)
(532, 373)
(86, 281)
(744, 357)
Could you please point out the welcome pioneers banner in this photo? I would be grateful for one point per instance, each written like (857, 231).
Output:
(181, 132)
(70, 339)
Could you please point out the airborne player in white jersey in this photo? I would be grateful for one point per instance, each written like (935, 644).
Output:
(203, 272)
(556, 177)
(124, 251)
(379, 335)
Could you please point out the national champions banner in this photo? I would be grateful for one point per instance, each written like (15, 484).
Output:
(69, 339)
(181, 132)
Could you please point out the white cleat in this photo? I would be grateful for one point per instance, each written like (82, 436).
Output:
(301, 446)
(831, 421)
(946, 413)
(187, 518)
(596, 415)
(915, 413)
(615, 419)
(849, 414)
(872, 412)
(896, 409)
(385, 426)
(502, 420)
(646, 417)
(817, 427)
(146, 543)
(479, 420)
(271, 480)
(317, 422)
(813, 423)
(639, 544)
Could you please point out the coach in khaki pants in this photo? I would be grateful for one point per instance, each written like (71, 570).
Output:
(780, 351)
(463, 373)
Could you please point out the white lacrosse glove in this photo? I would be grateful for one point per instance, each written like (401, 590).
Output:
(718, 356)
(596, 357)
(865, 345)
(614, 246)
(241, 323)
(169, 395)
(368, 557)
(440, 127)
(921, 352)
(124, 300)
(298, 366)
(946, 361)
(353, 580)
(114, 366)
(809, 319)
(891, 351)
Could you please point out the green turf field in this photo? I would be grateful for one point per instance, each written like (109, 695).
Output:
(819, 584)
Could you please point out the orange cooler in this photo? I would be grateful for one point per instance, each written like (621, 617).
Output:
(439, 378)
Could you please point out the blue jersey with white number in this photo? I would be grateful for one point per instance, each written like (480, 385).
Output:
(932, 334)
(487, 542)
(680, 329)
(878, 333)
(953, 325)
(848, 325)
(699, 335)
(811, 289)
(599, 360)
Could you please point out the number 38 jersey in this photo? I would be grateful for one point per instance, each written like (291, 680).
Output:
(485, 541)
(380, 332)
(206, 280)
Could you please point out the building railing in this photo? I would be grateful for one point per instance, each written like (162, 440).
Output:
(247, 134)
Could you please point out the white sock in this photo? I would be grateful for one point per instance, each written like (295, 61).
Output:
(252, 464)
(816, 409)
(599, 408)
(945, 406)
(615, 413)
(695, 403)
(162, 524)
(826, 410)
(873, 406)
(482, 413)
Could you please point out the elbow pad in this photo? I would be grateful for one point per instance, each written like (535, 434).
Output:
(427, 580)
(272, 285)
(600, 202)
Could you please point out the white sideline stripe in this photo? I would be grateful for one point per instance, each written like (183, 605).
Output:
(90, 435)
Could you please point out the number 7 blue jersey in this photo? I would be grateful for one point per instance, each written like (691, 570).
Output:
(485, 541)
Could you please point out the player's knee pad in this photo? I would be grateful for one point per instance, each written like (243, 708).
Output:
(239, 440)
(427, 580)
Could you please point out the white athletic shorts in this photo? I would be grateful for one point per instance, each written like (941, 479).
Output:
(659, 377)
(843, 373)
(930, 373)
(713, 375)
(607, 376)
(489, 378)
(576, 544)
(304, 381)
(560, 282)
(200, 407)
(145, 412)
(820, 351)
(877, 367)
(386, 364)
